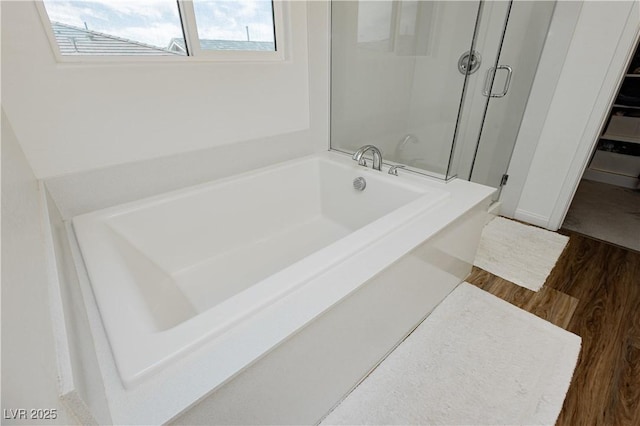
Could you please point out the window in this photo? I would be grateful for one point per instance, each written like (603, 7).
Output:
(233, 25)
(165, 29)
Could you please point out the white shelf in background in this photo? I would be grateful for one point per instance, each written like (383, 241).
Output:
(613, 162)
(623, 128)
(626, 106)
(610, 178)
(620, 138)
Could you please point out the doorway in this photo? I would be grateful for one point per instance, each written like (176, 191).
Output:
(606, 205)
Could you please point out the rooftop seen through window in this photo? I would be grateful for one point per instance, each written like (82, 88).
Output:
(155, 27)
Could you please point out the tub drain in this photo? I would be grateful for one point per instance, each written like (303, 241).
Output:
(359, 184)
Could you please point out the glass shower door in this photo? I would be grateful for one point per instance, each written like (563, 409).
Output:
(483, 155)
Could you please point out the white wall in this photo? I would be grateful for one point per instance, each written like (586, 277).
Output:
(78, 117)
(29, 378)
(563, 23)
(371, 85)
(603, 38)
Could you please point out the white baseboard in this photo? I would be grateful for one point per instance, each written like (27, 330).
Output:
(533, 218)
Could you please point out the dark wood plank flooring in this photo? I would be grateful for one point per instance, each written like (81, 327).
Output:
(594, 292)
(548, 303)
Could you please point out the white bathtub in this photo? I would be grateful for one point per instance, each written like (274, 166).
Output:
(240, 264)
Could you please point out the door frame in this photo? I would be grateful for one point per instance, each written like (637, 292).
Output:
(555, 143)
(597, 120)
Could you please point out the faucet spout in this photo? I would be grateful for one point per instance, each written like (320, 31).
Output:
(377, 156)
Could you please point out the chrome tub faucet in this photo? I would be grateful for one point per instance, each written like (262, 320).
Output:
(377, 156)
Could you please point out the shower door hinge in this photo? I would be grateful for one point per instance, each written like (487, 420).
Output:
(505, 178)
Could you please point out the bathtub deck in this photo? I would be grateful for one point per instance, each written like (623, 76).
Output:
(210, 282)
(160, 358)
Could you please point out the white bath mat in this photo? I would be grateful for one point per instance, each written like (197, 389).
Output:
(476, 360)
(522, 254)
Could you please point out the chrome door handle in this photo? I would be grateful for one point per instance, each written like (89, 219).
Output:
(505, 89)
(488, 81)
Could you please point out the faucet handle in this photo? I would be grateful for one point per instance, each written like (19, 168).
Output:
(359, 155)
(393, 170)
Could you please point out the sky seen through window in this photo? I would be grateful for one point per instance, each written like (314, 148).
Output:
(157, 22)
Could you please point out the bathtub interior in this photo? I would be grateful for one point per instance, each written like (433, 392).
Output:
(194, 250)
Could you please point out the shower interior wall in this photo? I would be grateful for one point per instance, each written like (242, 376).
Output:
(407, 83)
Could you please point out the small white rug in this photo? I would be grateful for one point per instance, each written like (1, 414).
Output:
(522, 254)
(476, 360)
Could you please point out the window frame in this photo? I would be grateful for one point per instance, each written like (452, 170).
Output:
(190, 30)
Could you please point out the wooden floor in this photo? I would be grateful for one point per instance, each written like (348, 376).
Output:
(594, 292)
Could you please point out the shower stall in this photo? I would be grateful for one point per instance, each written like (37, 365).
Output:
(439, 87)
